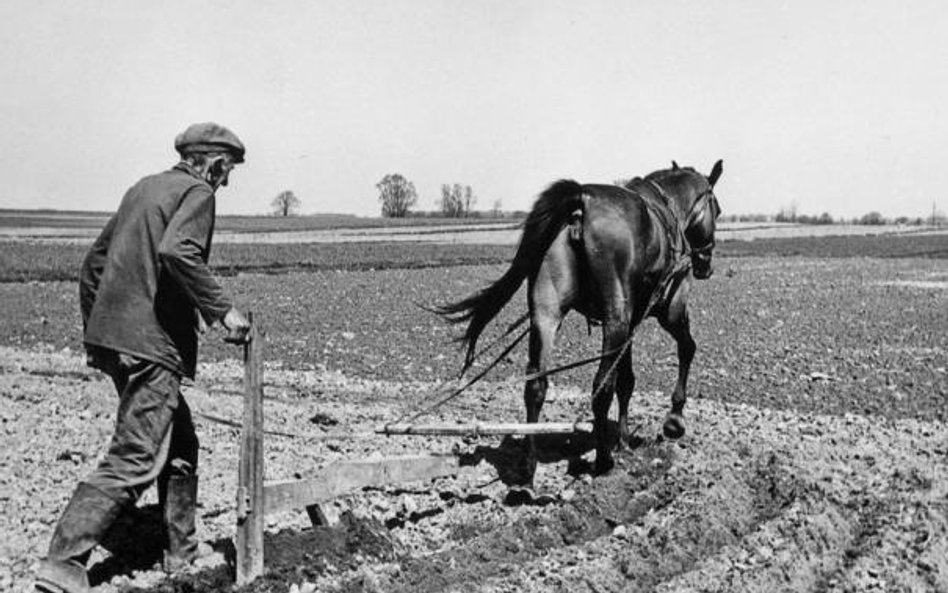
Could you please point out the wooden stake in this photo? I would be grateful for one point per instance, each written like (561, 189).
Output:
(486, 428)
(250, 497)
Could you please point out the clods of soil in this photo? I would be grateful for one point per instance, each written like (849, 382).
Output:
(751, 499)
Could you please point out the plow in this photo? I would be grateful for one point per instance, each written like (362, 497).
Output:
(257, 498)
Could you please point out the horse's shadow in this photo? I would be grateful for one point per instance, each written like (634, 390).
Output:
(511, 458)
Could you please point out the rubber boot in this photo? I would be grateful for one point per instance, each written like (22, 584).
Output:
(180, 503)
(87, 517)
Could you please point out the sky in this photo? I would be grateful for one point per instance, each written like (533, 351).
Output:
(817, 105)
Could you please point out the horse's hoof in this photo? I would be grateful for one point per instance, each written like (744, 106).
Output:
(604, 464)
(674, 427)
(520, 496)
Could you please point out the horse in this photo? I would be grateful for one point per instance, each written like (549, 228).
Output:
(615, 254)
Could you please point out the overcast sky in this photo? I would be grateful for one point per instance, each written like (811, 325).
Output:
(829, 106)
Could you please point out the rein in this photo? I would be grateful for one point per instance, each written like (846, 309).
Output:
(453, 394)
(681, 266)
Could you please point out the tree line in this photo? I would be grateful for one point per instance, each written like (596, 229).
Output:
(870, 218)
(398, 198)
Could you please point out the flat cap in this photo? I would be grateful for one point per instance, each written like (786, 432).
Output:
(209, 137)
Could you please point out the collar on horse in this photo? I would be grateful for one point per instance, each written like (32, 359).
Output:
(669, 218)
(683, 247)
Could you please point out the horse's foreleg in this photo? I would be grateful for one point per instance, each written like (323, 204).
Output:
(676, 323)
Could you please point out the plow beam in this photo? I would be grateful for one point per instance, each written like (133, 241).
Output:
(486, 428)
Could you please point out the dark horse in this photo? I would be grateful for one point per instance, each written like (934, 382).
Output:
(616, 255)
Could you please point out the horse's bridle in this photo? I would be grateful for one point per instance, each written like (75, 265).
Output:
(705, 200)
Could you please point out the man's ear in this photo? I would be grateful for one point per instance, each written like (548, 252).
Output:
(215, 165)
(214, 172)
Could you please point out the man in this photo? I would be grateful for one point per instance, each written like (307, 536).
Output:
(145, 292)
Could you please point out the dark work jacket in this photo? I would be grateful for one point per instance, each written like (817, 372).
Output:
(145, 279)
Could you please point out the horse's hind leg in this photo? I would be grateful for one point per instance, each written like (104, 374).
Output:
(542, 335)
(543, 326)
(625, 385)
(675, 321)
(615, 331)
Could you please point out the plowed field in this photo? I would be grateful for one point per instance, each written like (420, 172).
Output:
(816, 457)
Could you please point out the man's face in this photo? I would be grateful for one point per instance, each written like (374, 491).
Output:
(218, 170)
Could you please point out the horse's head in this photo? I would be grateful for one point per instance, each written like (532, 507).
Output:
(700, 223)
(698, 211)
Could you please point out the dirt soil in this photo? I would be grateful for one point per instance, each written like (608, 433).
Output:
(751, 499)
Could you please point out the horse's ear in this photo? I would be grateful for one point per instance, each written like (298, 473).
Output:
(716, 172)
(674, 166)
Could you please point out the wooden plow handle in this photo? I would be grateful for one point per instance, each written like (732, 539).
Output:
(250, 498)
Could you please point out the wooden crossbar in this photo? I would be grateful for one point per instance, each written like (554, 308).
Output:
(346, 476)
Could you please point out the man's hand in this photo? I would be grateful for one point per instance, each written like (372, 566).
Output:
(201, 324)
(237, 326)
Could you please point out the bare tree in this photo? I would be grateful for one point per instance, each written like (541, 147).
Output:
(451, 204)
(285, 204)
(938, 218)
(469, 200)
(787, 214)
(397, 195)
(497, 207)
(457, 200)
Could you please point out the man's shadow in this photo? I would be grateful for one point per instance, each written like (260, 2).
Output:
(136, 543)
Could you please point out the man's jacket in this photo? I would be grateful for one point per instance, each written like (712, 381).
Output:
(146, 276)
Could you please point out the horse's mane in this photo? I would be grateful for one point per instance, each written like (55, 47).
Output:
(662, 174)
(659, 175)
(678, 209)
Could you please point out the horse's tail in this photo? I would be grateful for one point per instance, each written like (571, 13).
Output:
(550, 213)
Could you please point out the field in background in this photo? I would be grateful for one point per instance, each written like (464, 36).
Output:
(53, 223)
(26, 261)
(82, 228)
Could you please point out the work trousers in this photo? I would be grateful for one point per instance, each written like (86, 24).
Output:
(154, 436)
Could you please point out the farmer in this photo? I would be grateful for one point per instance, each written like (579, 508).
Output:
(145, 292)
